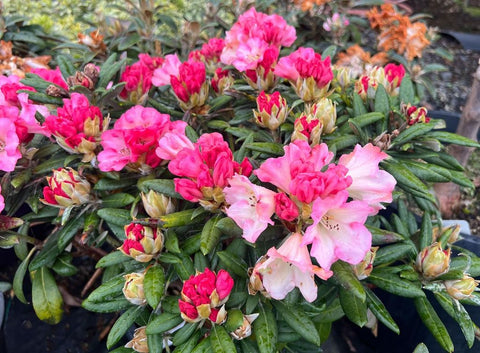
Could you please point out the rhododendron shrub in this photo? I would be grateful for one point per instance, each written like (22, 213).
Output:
(234, 183)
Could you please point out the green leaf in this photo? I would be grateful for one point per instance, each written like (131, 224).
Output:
(459, 314)
(63, 265)
(332, 312)
(265, 330)
(425, 231)
(427, 172)
(411, 132)
(154, 285)
(380, 311)
(107, 184)
(210, 235)
(382, 105)
(40, 97)
(67, 233)
(107, 291)
(229, 227)
(248, 346)
(36, 82)
(185, 267)
(221, 341)
(358, 105)
(407, 180)
(433, 322)
(391, 282)
(407, 93)
(163, 322)
(184, 334)
(204, 346)
(116, 216)
(113, 305)
(117, 200)
(129, 41)
(272, 148)
(109, 70)
(367, 119)
(353, 307)
(46, 298)
(343, 273)
(122, 324)
(163, 186)
(456, 139)
(234, 263)
(299, 321)
(171, 242)
(66, 66)
(178, 219)
(114, 258)
(342, 142)
(421, 348)
(392, 253)
(48, 254)
(329, 51)
(19, 276)
(382, 236)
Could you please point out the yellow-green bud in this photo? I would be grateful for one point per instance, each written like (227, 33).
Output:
(461, 288)
(133, 288)
(156, 204)
(432, 261)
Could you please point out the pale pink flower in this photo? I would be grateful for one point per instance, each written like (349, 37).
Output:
(288, 267)
(170, 67)
(369, 183)
(171, 143)
(299, 157)
(271, 29)
(9, 153)
(336, 23)
(338, 231)
(249, 54)
(251, 206)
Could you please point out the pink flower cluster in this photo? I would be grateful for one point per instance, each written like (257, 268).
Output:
(203, 293)
(307, 72)
(332, 200)
(205, 166)
(209, 54)
(138, 78)
(253, 44)
(188, 80)
(17, 121)
(77, 126)
(134, 139)
(54, 76)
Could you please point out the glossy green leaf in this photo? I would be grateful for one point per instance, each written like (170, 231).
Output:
(69, 231)
(185, 267)
(163, 322)
(353, 307)
(163, 186)
(332, 312)
(407, 93)
(40, 97)
(299, 321)
(117, 200)
(111, 306)
(66, 66)
(107, 291)
(391, 282)
(380, 311)
(265, 330)
(155, 342)
(154, 285)
(391, 253)
(413, 131)
(108, 70)
(275, 149)
(421, 348)
(424, 172)
(19, 277)
(123, 323)
(234, 263)
(48, 254)
(342, 142)
(183, 335)
(433, 323)
(367, 119)
(229, 227)
(46, 298)
(189, 345)
(459, 314)
(63, 265)
(178, 219)
(358, 105)
(116, 216)
(456, 139)
(171, 242)
(343, 273)
(382, 236)
(107, 184)
(204, 346)
(221, 341)
(129, 41)
(210, 235)
(425, 232)
(114, 258)
(382, 105)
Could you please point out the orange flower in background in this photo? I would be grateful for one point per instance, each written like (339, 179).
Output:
(307, 5)
(93, 40)
(15, 65)
(358, 59)
(397, 32)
